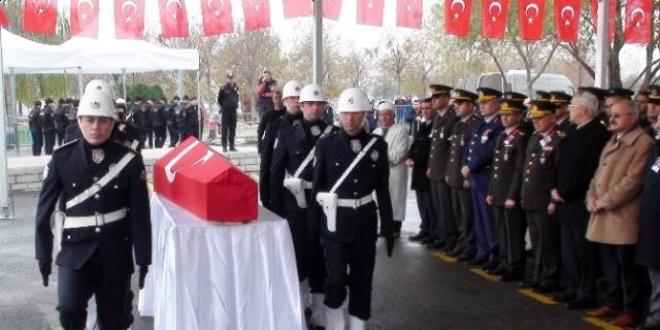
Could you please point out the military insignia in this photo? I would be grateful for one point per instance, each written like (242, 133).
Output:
(374, 155)
(484, 136)
(45, 174)
(95, 105)
(98, 155)
(506, 156)
(655, 167)
(356, 145)
(462, 141)
(542, 160)
(315, 130)
(275, 144)
(350, 101)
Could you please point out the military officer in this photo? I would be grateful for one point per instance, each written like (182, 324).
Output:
(293, 115)
(525, 124)
(642, 101)
(504, 192)
(538, 179)
(460, 188)
(561, 99)
(443, 124)
(35, 122)
(476, 169)
(350, 165)
(543, 96)
(291, 186)
(106, 219)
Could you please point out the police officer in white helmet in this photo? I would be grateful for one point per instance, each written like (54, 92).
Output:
(106, 219)
(349, 166)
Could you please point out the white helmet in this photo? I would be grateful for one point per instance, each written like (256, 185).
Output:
(353, 100)
(312, 93)
(386, 106)
(96, 103)
(120, 100)
(99, 84)
(292, 88)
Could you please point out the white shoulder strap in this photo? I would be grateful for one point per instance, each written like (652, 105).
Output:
(310, 155)
(353, 164)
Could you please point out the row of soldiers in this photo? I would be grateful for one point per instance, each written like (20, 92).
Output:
(487, 167)
(48, 122)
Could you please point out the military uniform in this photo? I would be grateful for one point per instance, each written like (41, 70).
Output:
(420, 183)
(100, 233)
(35, 123)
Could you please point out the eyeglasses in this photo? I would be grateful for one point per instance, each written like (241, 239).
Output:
(619, 115)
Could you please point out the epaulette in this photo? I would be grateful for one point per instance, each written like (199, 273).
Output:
(66, 145)
(125, 146)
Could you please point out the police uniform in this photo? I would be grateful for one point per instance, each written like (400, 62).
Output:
(228, 98)
(443, 124)
(35, 123)
(160, 124)
(171, 116)
(264, 121)
(61, 121)
(420, 183)
(538, 180)
(107, 221)
(48, 127)
(461, 197)
(505, 183)
(478, 159)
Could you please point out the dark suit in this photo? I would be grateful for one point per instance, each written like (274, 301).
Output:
(505, 183)
(420, 183)
(443, 126)
(95, 259)
(539, 179)
(351, 250)
(461, 197)
(578, 157)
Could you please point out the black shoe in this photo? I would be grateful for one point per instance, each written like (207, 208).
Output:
(463, 257)
(546, 287)
(511, 276)
(580, 303)
(490, 266)
(437, 244)
(428, 240)
(456, 252)
(528, 284)
(224, 149)
(563, 297)
(498, 271)
(447, 249)
(420, 236)
(476, 262)
(232, 149)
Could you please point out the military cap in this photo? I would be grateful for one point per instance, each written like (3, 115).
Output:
(543, 96)
(541, 109)
(654, 94)
(460, 95)
(621, 92)
(437, 89)
(511, 107)
(486, 94)
(514, 96)
(560, 98)
(595, 91)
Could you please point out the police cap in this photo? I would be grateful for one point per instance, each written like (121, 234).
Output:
(620, 92)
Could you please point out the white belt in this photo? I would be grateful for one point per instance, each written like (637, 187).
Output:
(98, 219)
(355, 203)
(307, 184)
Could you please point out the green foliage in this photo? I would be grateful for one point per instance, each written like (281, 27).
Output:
(154, 92)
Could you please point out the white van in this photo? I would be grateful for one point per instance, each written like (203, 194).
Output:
(516, 81)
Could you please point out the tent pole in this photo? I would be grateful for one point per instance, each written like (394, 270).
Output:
(14, 106)
(123, 82)
(200, 108)
(602, 44)
(318, 42)
(6, 208)
(80, 83)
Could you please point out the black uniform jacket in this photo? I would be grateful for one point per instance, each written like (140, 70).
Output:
(419, 153)
(70, 172)
(648, 244)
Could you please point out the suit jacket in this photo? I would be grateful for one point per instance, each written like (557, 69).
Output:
(70, 172)
(419, 153)
(648, 243)
(443, 127)
(479, 156)
(618, 184)
(397, 150)
(459, 143)
(508, 165)
(540, 170)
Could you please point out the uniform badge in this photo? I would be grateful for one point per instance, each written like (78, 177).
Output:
(98, 155)
(275, 144)
(655, 167)
(462, 141)
(484, 136)
(356, 146)
(46, 169)
(374, 155)
(315, 130)
(506, 156)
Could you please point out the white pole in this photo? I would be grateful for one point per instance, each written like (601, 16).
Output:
(602, 43)
(318, 42)
(6, 209)
(81, 89)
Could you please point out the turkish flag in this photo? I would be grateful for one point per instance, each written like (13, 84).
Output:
(297, 8)
(216, 17)
(173, 18)
(594, 14)
(85, 18)
(457, 17)
(332, 9)
(4, 22)
(531, 14)
(494, 14)
(129, 19)
(257, 14)
(370, 12)
(567, 19)
(40, 16)
(639, 16)
(409, 13)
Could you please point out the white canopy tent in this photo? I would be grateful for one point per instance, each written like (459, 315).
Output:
(21, 55)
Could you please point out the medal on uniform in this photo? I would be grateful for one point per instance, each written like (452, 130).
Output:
(442, 133)
(315, 130)
(484, 136)
(656, 165)
(542, 160)
(462, 141)
(543, 143)
(356, 146)
(506, 156)
(98, 155)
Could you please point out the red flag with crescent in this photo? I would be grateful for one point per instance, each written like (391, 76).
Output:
(85, 18)
(494, 16)
(40, 16)
(332, 9)
(297, 8)
(639, 16)
(370, 12)
(567, 19)
(594, 14)
(457, 17)
(129, 19)
(409, 13)
(4, 22)
(216, 17)
(173, 18)
(257, 14)
(531, 15)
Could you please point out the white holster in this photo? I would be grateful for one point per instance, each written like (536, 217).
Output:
(58, 227)
(328, 201)
(297, 187)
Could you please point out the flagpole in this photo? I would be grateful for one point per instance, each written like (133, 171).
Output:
(318, 42)
(602, 44)
(6, 210)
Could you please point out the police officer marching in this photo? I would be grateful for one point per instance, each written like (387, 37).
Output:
(105, 221)
(349, 166)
